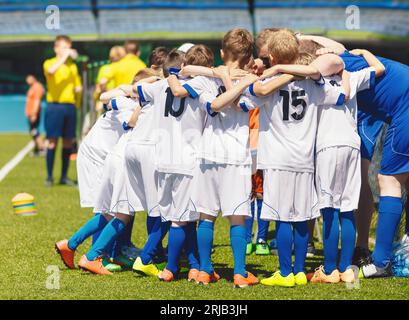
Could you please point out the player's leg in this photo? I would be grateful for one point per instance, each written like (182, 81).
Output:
(191, 250)
(300, 251)
(249, 228)
(311, 246)
(66, 248)
(348, 237)
(68, 139)
(262, 247)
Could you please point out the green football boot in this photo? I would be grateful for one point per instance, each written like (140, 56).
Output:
(249, 248)
(262, 248)
(112, 267)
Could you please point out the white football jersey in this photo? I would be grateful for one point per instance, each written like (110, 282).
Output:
(225, 137)
(107, 130)
(337, 125)
(288, 123)
(178, 128)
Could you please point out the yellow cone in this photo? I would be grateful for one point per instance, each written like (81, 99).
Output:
(23, 204)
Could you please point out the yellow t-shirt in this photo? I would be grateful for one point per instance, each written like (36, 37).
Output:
(125, 69)
(61, 84)
(106, 72)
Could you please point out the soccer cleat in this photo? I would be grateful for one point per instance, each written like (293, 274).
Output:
(262, 248)
(166, 275)
(361, 256)
(48, 183)
(321, 277)
(111, 267)
(205, 278)
(145, 269)
(192, 275)
(249, 248)
(94, 266)
(66, 254)
(68, 182)
(347, 276)
(242, 282)
(310, 250)
(372, 271)
(123, 261)
(300, 279)
(273, 247)
(278, 280)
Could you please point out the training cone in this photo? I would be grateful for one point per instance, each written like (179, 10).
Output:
(23, 204)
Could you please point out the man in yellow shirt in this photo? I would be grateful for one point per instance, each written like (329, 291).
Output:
(63, 84)
(124, 70)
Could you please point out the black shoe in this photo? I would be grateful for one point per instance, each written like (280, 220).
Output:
(68, 182)
(310, 250)
(361, 257)
(48, 183)
(372, 271)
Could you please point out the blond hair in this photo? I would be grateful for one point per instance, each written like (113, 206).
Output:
(116, 53)
(305, 58)
(199, 55)
(143, 74)
(283, 46)
(237, 45)
(263, 37)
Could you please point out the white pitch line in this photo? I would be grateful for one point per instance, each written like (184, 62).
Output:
(16, 160)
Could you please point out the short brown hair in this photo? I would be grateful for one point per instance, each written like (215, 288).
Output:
(131, 46)
(283, 46)
(262, 37)
(305, 58)
(200, 55)
(64, 38)
(238, 45)
(158, 56)
(143, 74)
(175, 59)
(309, 46)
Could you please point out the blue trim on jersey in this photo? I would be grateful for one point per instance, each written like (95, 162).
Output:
(192, 93)
(243, 106)
(125, 126)
(174, 71)
(209, 110)
(341, 99)
(140, 94)
(114, 105)
(372, 79)
(251, 90)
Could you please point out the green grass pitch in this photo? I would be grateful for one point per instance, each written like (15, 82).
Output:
(27, 247)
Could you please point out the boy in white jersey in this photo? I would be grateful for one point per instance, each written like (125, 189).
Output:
(223, 178)
(338, 174)
(288, 123)
(111, 123)
(177, 133)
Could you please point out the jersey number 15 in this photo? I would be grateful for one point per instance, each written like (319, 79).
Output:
(297, 99)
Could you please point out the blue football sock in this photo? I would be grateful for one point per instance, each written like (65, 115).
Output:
(111, 231)
(124, 239)
(331, 238)
(50, 162)
(262, 224)
(191, 246)
(284, 236)
(96, 234)
(300, 245)
(249, 224)
(150, 221)
(157, 232)
(176, 242)
(238, 245)
(205, 245)
(348, 237)
(389, 214)
(65, 159)
(95, 224)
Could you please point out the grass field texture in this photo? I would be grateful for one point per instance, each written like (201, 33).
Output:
(27, 246)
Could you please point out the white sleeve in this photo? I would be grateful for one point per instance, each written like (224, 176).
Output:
(364, 79)
(122, 103)
(148, 91)
(328, 93)
(249, 102)
(196, 86)
(205, 100)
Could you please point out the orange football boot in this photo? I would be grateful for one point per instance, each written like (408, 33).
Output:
(166, 275)
(242, 282)
(66, 254)
(204, 278)
(320, 276)
(94, 266)
(192, 275)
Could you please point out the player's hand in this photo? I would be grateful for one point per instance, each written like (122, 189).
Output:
(237, 74)
(221, 72)
(73, 54)
(357, 52)
(250, 78)
(270, 72)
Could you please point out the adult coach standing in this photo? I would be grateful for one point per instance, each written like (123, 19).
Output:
(63, 83)
(125, 69)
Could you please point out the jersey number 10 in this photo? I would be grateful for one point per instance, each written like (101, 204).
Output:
(297, 99)
(169, 105)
